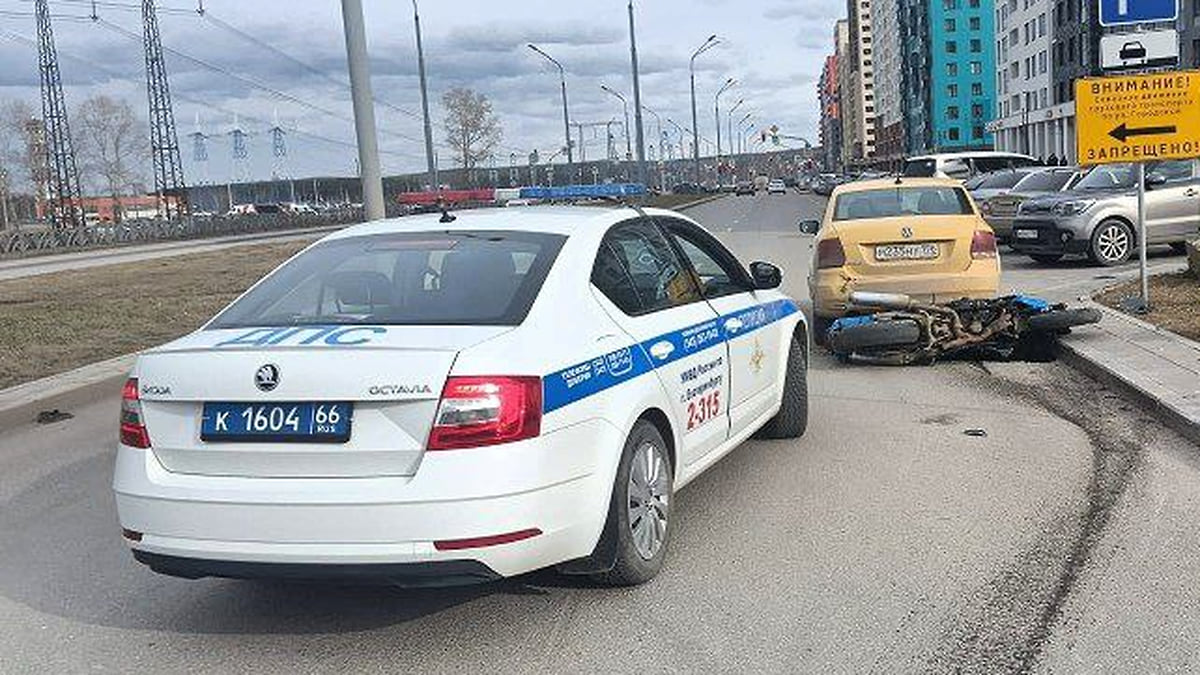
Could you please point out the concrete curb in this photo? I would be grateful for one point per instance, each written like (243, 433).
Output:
(1143, 389)
(21, 404)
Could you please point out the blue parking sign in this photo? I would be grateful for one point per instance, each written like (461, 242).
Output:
(1125, 12)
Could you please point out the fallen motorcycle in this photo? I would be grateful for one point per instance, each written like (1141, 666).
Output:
(893, 329)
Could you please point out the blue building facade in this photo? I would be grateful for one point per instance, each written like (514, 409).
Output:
(950, 74)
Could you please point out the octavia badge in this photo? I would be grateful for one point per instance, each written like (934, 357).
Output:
(267, 377)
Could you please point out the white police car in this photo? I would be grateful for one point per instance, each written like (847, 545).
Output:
(440, 402)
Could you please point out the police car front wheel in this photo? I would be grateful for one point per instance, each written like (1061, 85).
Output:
(792, 419)
(640, 511)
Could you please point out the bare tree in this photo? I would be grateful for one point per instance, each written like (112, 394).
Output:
(16, 151)
(472, 129)
(112, 145)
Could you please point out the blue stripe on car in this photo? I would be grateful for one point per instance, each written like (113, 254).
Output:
(587, 378)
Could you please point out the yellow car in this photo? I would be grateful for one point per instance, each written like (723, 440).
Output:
(923, 237)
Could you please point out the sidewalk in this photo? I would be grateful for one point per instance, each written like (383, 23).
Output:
(1158, 367)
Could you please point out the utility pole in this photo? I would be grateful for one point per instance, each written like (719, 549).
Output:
(63, 175)
(637, 101)
(562, 76)
(711, 42)
(164, 142)
(429, 158)
(364, 108)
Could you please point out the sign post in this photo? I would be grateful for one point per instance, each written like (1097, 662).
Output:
(1136, 119)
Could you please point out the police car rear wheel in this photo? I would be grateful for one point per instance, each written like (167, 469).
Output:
(792, 419)
(641, 508)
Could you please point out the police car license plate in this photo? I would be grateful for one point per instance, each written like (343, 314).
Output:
(907, 252)
(276, 422)
(1026, 234)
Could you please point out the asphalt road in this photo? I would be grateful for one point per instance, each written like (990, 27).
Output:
(1057, 536)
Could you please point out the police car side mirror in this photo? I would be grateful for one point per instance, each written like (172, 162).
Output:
(766, 276)
(1155, 179)
(808, 226)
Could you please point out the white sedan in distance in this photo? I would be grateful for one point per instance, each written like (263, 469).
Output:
(438, 400)
(777, 187)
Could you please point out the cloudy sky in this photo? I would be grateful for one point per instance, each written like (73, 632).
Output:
(774, 48)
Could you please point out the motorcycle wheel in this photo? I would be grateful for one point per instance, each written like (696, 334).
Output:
(1063, 319)
(875, 336)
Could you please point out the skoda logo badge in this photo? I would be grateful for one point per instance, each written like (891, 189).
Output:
(267, 377)
(906, 232)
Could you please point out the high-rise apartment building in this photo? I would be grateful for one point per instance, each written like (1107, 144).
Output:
(1028, 118)
(828, 93)
(949, 74)
(858, 87)
(888, 63)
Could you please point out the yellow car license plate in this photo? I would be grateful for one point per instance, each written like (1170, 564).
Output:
(907, 252)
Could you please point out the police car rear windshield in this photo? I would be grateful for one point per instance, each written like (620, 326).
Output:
(902, 201)
(420, 279)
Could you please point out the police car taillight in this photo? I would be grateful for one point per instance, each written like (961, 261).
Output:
(480, 411)
(133, 427)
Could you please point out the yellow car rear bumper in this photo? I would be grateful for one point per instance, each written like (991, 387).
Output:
(831, 288)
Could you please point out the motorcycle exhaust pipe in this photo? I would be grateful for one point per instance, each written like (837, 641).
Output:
(881, 300)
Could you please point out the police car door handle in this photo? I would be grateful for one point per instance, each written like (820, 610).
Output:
(662, 350)
(734, 325)
(1191, 192)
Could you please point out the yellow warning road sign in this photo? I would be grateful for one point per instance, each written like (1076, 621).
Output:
(1138, 118)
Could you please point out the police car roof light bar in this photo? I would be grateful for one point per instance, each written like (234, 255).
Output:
(599, 191)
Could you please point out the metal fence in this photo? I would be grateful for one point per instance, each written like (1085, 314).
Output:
(31, 242)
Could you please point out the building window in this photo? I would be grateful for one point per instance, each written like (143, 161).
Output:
(951, 47)
(976, 45)
(952, 112)
(977, 89)
(952, 90)
(951, 25)
(977, 133)
(974, 23)
(976, 111)
(952, 133)
(952, 69)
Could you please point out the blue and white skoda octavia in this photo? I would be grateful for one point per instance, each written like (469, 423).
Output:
(426, 401)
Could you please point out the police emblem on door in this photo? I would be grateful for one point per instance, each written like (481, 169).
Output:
(266, 378)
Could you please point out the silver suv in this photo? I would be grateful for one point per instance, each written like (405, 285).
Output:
(1098, 217)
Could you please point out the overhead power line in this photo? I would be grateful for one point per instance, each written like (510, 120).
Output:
(226, 26)
(91, 63)
(248, 81)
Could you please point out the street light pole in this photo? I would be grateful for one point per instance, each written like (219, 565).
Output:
(562, 75)
(637, 100)
(742, 132)
(717, 110)
(364, 108)
(431, 164)
(711, 42)
(730, 122)
(662, 155)
(625, 107)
